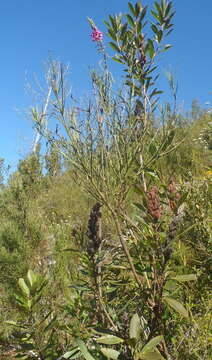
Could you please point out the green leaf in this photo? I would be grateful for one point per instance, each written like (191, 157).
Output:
(28, 346)
(91, 22)
(114, 46)
(73, 354)
(109, 340)
(31, 277)
(131, 8)
(153, 149)
(184, 278)
(130, 20)
(151, 345)
(168, 140)
(80, 287)
(117, 60)
(166, 47)
(152, 173)
(150, 71)
(110, 353)
(140, 206)
(13, 323)
(20, 299)
(155, 15)
(24, 287)
(159, 35)
(101, 331)
(151, 49)
(29, 304)
(84, 350)
(154, 28)
(112, 34)
(113, 23)
(135, 327)
(168, 8)
(157, 7)
(160, 13)
(123, 30)
(177, 306)
(143, 14)
(107, 24)
(138, 8)
(171, 16)
(138, 190)
(139, 27)
(152, 355)
(163, 3)
(169, 32)
(51, 324)
(155, 92)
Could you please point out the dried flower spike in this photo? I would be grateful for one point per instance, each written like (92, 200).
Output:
(94, 233)
(174, 195)
(153, 203)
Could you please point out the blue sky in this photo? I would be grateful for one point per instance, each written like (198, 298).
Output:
(31, 29)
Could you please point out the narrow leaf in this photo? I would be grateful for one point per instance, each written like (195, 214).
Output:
(123, 30)
(160, 13)
(177, 306)
(155, 15)
(114, 46)
(112, 34)
(51, 324)
(110, 353)
(27, 346)
(113, 23)
(23, 286)
(155, 92)
(140, 206)
(166, 47)
(159, 35)
(84, 350)
(13, 323)
(107, 24)
(151, 49)
(163, 3)
(152, 355)
(184, 278)
(135, 327)
(73, 354)
(143, 14)
(138, 8)
(117, 60)
(168, 140)
(131, 8)
(109, 340)
(31, 277)
(151, 345)
(168, 8)
(154, 28)
(130, 20)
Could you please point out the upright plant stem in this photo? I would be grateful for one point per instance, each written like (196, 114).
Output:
(126, 251)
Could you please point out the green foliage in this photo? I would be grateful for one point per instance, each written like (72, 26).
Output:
(53, 162)
(117, 225)
(36, 328)
(134, 49)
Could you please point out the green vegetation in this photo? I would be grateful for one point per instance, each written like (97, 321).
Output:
(105, 235)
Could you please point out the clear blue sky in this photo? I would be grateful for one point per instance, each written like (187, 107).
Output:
(30, 29)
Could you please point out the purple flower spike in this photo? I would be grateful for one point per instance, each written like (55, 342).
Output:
(96, 34)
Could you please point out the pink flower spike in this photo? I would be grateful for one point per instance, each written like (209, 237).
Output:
(96, 35)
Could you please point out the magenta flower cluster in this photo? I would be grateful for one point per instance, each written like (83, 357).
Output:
(96, 34)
